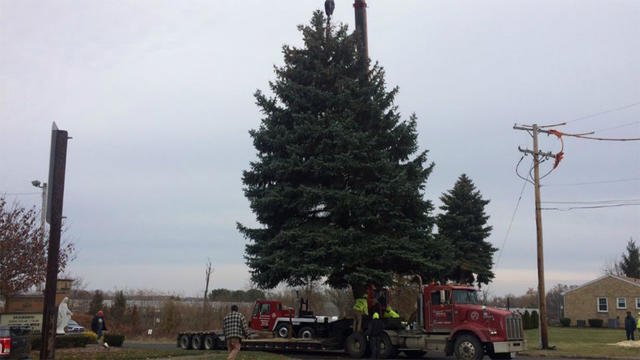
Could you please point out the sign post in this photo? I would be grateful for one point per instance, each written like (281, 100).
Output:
(57, 163)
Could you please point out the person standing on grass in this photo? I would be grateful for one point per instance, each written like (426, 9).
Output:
(629, 326)
(235, 329)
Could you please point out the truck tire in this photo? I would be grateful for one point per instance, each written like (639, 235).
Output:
(196, 342)
(386, 348)
(468, 347)
(185, 342)
(414, 354)
(209, 342)
(356, 345)
(282, 330)
(306, 332)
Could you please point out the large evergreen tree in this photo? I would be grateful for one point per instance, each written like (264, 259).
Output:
(338, 183)
(630, 263)
(463, 225)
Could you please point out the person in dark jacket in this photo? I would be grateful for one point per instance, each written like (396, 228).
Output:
(98, 325)
(629, 326)
(373, 333)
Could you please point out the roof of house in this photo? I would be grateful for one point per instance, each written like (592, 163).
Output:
(632, 281)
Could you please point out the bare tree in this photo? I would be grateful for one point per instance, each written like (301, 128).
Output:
(23, 251)
(612, 267)
(208, 270)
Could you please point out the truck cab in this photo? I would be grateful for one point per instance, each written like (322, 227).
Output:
(450, 319)
(456, 310)
(265, 313)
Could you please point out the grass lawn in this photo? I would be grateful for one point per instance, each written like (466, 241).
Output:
(582, 342)
(95, 353)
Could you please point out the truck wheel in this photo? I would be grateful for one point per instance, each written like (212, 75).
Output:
(386, 348)
(196, 342)
(356, 345)
(282, 330)
(209, 342)
(414, 354)
(306, 333)
(185, 342)
(468, 347)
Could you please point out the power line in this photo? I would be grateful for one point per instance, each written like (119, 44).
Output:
(513, 216)
(589, 207)
(603, 112)
(617, 127)
(592, 202)
(16, 194)
(595, 182)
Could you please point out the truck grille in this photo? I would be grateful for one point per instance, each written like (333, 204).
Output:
(514, 327)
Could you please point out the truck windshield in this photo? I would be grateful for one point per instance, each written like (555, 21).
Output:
(466, 296)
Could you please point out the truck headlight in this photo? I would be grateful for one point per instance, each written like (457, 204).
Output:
(492, 332)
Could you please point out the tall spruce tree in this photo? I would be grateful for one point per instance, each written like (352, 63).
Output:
(630, 263)
(338, 184)
(463, 225)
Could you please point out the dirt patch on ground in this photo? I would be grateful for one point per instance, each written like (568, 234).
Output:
(628, 343)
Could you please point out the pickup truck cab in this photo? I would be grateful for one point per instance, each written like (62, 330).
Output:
(15, 342)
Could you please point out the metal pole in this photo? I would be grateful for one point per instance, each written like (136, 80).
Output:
(544, 341)
(57, 164)
(43, 216)
(360, 8)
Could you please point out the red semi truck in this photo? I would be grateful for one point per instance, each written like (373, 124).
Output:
(449, 319)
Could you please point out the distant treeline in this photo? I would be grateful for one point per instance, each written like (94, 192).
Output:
(250, 295)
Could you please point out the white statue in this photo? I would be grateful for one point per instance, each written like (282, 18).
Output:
(64, 315)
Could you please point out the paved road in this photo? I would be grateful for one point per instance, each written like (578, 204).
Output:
(322, 355)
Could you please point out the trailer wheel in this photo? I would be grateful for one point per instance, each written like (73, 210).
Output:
(414, 354)
(356, 345)
(282, 330)
(185, 342)
(196, 342)
(386, 348)
(306, 333)
(468, 347)
(209, 342)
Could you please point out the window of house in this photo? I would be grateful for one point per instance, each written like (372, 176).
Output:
(603, 304)
(621, 303)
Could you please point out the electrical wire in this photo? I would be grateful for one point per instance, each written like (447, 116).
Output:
(592, 202)
(617, 127)
(513, 216)
(520, 176)
(26, 193)
(595, 182)
(589, 207)
(603, 112)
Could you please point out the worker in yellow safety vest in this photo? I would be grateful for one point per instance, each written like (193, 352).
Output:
(389, 313)
(361, 308)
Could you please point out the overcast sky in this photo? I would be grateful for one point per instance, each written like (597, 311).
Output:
(157, 96)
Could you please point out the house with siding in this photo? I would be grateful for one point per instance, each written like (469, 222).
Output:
(608, 298)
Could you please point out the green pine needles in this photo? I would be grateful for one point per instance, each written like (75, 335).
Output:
(338, 182)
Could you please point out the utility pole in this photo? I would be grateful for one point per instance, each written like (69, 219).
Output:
(534, 130)
(360, 8)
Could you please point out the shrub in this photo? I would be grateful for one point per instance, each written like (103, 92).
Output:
(565, 321)
(526, 320)
(66, 341)
(535, 319)
(91, 336)
(595, 323)
(114, 339)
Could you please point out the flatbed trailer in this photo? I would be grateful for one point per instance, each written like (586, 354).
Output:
(214, 340)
